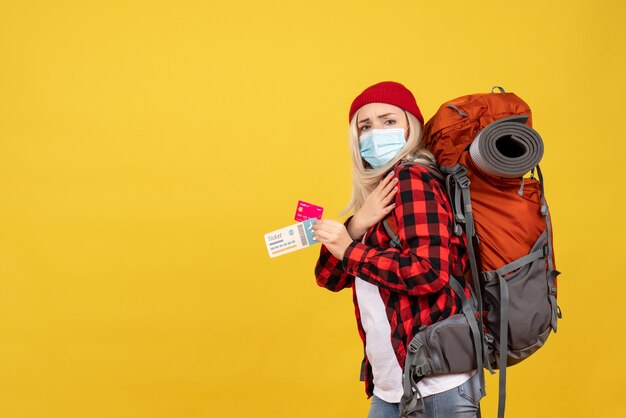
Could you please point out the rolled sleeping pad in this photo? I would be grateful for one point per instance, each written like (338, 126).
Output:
(507, 148)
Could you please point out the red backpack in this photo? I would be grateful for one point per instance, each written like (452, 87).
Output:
(484, 145)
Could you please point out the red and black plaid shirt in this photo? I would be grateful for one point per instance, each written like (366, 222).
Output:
(413, 279)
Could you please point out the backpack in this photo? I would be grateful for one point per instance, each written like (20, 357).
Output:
(484, 145)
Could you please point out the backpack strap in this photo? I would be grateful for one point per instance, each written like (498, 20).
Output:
(395, 240)
(470, 314)
(552, 272)
(458, 183)
(412, 402)
(459, 111)
(432, 169)
(455, 202)
(504, 344)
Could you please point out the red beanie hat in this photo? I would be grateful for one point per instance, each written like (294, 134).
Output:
(388, 92)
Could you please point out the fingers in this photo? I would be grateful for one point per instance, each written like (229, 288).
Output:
(327, 227)
(385, 182)
(318, 224)
(391, 184)
(324, 224)
(390, 196)
(389, 208)
(388, 193)
(330, 233)
(323, 236)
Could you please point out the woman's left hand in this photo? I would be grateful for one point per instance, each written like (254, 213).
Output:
(333, 235)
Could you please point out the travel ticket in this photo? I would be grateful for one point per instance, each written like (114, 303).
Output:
(290, 238)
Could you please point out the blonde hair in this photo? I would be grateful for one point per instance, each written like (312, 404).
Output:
(364, 180)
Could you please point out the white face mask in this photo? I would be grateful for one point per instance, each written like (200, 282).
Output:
(379, 146)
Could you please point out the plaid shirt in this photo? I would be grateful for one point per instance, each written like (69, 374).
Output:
(413, 279)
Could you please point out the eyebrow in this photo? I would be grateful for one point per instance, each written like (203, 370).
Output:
(379, 117)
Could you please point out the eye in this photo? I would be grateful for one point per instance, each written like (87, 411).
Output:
(365, 127)
(390, 122)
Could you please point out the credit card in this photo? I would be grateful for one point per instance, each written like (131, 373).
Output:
(291, 238)
(307, 211)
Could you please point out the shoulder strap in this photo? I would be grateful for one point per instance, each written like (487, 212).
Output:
(395, 240)
(435, 172)
(432, 169)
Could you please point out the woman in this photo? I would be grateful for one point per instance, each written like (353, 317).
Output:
(397, 290)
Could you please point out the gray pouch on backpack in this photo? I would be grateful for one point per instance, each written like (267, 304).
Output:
(442, 348)
(445, 347)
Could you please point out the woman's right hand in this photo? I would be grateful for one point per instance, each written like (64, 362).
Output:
(375, 208)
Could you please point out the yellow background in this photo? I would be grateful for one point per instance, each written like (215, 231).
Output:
(147, 146)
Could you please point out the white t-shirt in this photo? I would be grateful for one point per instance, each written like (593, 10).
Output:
(386, 371)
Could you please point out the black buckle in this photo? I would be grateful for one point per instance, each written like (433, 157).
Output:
(422, 370)
(488, 276)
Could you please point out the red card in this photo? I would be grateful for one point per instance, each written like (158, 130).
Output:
(307, 211)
